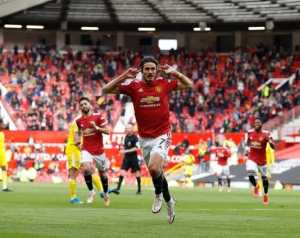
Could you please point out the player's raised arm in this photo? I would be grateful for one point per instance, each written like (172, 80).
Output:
(112, 86)
(184, 81)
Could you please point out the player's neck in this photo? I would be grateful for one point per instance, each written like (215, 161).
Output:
(149, 82)
(87, 114)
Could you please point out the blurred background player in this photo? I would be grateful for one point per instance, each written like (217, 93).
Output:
(3, 162)
(150, 97)
(73, 159)
(188, 166)
(91, 126)
(222, 170)
(130, 159)
(257, 140)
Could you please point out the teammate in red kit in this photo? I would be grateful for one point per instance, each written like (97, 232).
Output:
(150, 98)
(223, 154)
(257, 140)
(91, 126)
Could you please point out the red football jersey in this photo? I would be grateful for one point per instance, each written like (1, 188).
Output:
(222, 154)
(257, 142)
(92, 139)
(151, 105)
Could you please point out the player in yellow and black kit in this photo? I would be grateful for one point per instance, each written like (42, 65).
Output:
(3, 162)
(73, 158)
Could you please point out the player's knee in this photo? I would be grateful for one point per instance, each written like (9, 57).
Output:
(264, 178)
(137, 174)
(251, 173)
(103, 173)
(72, 173)
(87, 172)
(154, 170)
(122, 172)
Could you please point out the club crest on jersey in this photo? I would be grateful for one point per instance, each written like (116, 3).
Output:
(141, 90)
(158, 89)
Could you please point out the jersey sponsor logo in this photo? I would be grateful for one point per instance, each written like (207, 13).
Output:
(141, 90)
(150, 100)
(256, 144)
(89, 132)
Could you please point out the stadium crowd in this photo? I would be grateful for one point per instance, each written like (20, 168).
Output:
(44, 85)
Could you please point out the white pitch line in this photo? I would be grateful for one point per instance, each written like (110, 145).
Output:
(254, 209)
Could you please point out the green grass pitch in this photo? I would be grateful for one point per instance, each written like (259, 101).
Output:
(42, 210)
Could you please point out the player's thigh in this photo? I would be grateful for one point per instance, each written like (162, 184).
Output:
(125, 164)
(251, 166)
(87, 161)
(102, 163)
(160, 146)
(188, 170)
(159, 150)
(225, 171)
(73, 159)
(146, 149)
(263, 169)
(218, 170)
(134, 165)
(3, 162)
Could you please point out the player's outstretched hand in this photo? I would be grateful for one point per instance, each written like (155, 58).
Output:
(167, 69)
(131, 73)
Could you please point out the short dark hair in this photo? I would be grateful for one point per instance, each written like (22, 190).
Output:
(84, 98)
(257, 117)
(148, 60)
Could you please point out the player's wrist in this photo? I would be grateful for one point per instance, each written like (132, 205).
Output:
(121, 78)
(177, 74)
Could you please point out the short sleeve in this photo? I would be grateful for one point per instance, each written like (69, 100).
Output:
(101, 121)
(171, 85)
(77, 123)
(126, 88)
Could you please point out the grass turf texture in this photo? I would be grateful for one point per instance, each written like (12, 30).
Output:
(42, 210)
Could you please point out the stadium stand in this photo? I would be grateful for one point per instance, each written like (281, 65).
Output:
(157, 11)
(44, 86)
(45, 72)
